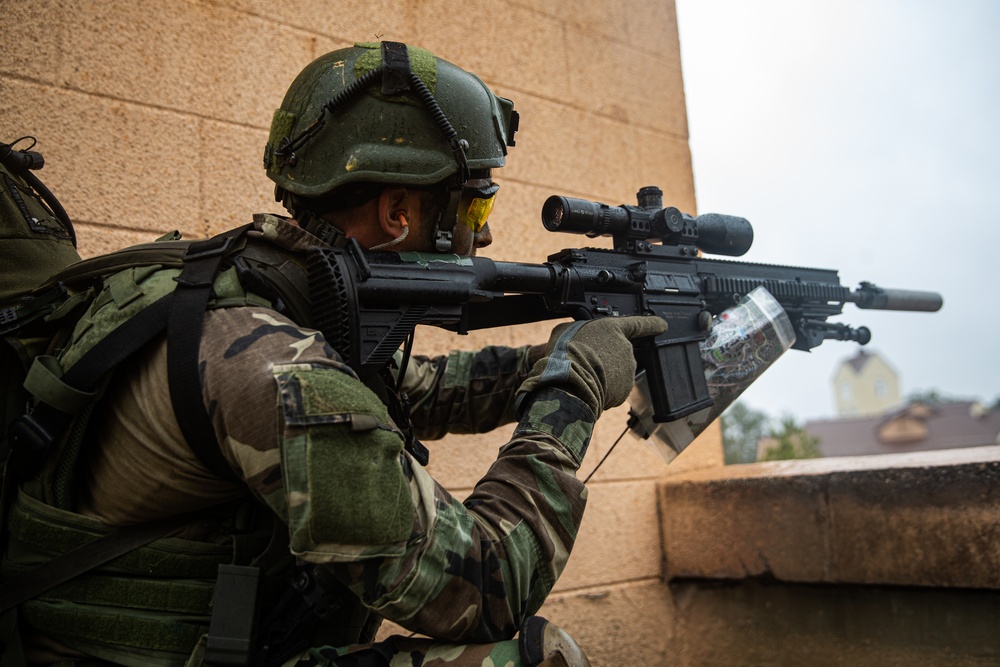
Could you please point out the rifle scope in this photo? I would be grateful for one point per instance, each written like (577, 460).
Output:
(713, 233)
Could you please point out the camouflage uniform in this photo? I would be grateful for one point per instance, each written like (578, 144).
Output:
(318, 447)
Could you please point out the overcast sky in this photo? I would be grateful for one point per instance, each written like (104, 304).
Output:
(862, 136)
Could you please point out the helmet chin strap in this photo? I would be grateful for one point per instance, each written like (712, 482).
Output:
(444, 228)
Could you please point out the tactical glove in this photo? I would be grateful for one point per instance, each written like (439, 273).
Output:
(591, 359)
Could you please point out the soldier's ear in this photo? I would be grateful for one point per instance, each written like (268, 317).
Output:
(397, 208)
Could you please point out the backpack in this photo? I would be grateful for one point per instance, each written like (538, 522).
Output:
(37, 239)
(45, 288)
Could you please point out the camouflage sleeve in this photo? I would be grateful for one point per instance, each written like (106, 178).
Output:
(474, 571)
(319, 448)
(464, 391)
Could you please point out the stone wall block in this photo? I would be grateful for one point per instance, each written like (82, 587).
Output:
(630, 624)
(665, 161)
(101, 239)
(729, 529)
(632, 458)
(917, 526)
(347, 22)
(648, 26)
(619, 539)
(600, 24)
(626, 83)
(652, 27)
(119, 171)
(201, 59)
(766, 623)
(233, 183)
(576, 153)
(636, 458)
(504, 44)
(31, 41)
(909, 520)
(459, 462)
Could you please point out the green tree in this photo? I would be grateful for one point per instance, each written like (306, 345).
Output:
(792, 442)
(928, 397)
(742, 428)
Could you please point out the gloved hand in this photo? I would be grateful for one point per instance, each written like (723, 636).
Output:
(592, 359)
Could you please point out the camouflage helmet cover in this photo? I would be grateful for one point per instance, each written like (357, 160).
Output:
(371, 137)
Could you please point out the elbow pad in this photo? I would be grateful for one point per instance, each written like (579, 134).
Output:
(345, 484)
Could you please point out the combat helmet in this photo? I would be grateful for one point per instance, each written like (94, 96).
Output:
(387, 114)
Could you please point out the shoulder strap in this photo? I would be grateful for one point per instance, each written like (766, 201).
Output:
(184, 329)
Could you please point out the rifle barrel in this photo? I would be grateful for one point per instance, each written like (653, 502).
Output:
(872, 297)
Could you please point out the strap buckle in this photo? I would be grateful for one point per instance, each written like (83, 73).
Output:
(217, 245)
(29, 444)
(200, 261)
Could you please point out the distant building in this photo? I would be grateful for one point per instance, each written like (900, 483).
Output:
(912, 428)
(865, 385)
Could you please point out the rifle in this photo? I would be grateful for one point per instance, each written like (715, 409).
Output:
(368, 303)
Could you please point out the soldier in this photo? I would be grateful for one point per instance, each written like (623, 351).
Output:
(393, 147)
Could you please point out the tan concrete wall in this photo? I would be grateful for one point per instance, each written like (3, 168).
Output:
(874, 560)
(153, 116)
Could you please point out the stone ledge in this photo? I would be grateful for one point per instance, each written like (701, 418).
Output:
(924, 519)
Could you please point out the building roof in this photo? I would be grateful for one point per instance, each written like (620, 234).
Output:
(858, 361)
(914, 427)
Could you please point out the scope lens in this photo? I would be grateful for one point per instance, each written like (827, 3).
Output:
(553, 213)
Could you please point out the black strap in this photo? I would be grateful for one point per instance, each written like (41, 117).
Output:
(84, 558)
(184, 329)
(398, 405)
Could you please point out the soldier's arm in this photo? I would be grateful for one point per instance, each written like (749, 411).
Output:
(318, 447)
(466, 391)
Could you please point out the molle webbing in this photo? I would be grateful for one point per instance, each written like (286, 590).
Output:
(42, 532)
(144, 639)
(118, 608)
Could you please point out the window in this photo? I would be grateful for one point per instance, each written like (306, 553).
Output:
(846, 391)
(880, 388)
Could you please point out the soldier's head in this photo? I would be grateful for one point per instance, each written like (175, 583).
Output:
(390, 145)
